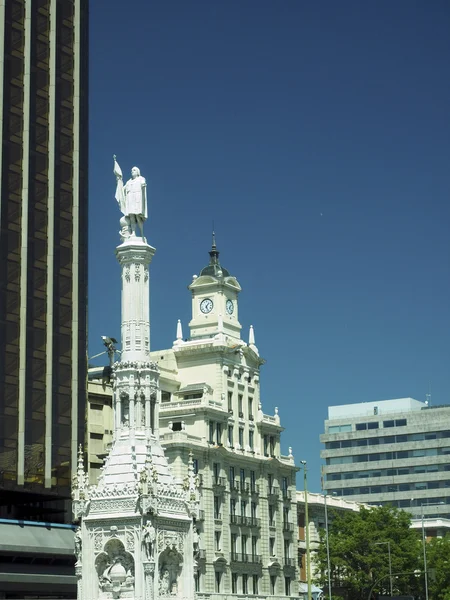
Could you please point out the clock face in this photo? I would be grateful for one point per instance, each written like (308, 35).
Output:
(230, 307)
(206, 305)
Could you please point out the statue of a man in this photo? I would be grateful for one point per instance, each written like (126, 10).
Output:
(149, 539)
(78, 542)
(132, 199)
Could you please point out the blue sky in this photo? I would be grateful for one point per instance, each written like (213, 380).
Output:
(316, 136)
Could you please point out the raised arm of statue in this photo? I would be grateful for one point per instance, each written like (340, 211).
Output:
(120, 195)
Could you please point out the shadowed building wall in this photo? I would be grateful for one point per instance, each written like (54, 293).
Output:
(43, 252)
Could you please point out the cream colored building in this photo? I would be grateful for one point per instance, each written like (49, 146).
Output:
(318, 505)
(211, 405)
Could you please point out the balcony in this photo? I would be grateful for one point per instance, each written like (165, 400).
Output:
(287, 494)
(289, 562)
(236, 519)
(288, 527)
(201, 515)
(219, 482)
(218, 517)
(235, 486)
(254, 488)
(273, 492)
(239, 557)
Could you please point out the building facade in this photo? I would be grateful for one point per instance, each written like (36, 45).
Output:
(393, 452)
(43, 245)
(211, 406)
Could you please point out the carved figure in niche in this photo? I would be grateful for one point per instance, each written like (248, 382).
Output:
(170, 561)
(115, 568)
(78, 543)
(125, 412)
(196, 544)
(149, 539)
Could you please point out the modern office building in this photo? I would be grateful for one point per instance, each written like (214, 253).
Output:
(43, 274)
(43, 244)
(390, 452)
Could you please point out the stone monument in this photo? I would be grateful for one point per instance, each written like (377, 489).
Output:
(136, 537)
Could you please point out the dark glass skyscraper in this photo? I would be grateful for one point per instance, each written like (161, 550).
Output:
(43, 252)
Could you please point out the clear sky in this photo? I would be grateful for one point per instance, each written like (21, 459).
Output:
(316, 136)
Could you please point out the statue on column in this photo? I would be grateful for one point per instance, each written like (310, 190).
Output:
(132, 200)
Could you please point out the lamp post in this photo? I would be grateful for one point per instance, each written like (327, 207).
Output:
(308, 558)
(328, 543)
(390, 562)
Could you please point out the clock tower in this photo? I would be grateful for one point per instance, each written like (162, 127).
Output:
(214, 301)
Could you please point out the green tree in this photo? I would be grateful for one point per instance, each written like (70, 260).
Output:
(359, 554)
(438, 565)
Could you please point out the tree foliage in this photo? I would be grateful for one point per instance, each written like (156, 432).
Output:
(359, 554)
(438, 565)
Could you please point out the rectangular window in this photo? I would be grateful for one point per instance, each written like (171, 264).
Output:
(339, 428)
(244, 583)
(197, 581)
(254, 546)
(217, 535)
(255, 585)
(211, 432)
(243, 508)
(360, 426)
(272, 445)
(242, 476)
(231, 476)
(241, 414)
(216, 507)
(272, 546)
(250, 409)
(230, 435)
(195, 465)
(232, 507)
(216, 472)
(273, 584)
(253, 509)
(266, 445)
(253, 481)
(218, 576)
(287, 549)
(234, 583)
(218, 433)
(230, 402)
(400, 422)
(241, 437)
(251, 437)
(373, 425)
(287, 586)
(388, 423)
(234, 543)
(271, 515)
(244, 539)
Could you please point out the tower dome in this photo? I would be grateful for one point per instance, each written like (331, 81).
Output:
(214, 269)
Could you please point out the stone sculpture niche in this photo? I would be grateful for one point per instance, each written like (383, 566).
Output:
(170, 562)
(115, 570)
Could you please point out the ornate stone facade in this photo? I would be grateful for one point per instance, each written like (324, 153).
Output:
(135, 538)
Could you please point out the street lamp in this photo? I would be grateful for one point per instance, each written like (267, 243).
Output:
(328, 543)
(390, 562)
(308, 558)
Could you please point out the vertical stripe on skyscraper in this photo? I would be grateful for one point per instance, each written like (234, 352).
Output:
(2, 69)
(76, 231)
(24, 245)
(50, 248)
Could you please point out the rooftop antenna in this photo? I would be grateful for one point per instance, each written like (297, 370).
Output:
(428, 396)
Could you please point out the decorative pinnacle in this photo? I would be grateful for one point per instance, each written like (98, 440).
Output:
(251, 336)
(213, 253)
(179, 330)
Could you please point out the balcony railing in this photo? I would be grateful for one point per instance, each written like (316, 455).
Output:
(245, 521)
(287, 494)
(289, 562)
(218, 516)
(288, 527)
(239, 557)
(219, 482)
(235, 486)
(254, 488)
(273, 491)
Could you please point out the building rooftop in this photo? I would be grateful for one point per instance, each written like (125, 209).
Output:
(378, 407)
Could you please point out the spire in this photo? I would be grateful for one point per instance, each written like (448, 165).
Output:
(179, 331)
(214, 253)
